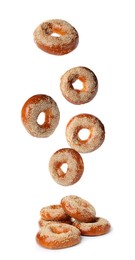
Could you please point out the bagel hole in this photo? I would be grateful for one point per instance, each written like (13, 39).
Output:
(78, 85)
(59, 230)
(64, 167)
(54, 34)
(84, 134)
(41, 118)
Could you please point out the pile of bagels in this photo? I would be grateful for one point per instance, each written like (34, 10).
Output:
(62, 225)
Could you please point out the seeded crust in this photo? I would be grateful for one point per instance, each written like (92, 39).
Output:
(78, 208)
(58, 235)
(43, 222)
(54, 212)
(100, 226)
(89, 81)
(86, 121)
(31, 110)
(75, 166)
(64, 44)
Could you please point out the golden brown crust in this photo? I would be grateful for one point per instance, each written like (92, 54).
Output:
(74, 162)
(31, 110)
(78, 208)
(65, 43)
(58, 235)
(89, 89)
(98, 227)
(95, 138)
(54, 212)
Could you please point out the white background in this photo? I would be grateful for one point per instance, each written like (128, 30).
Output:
(107, 46)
